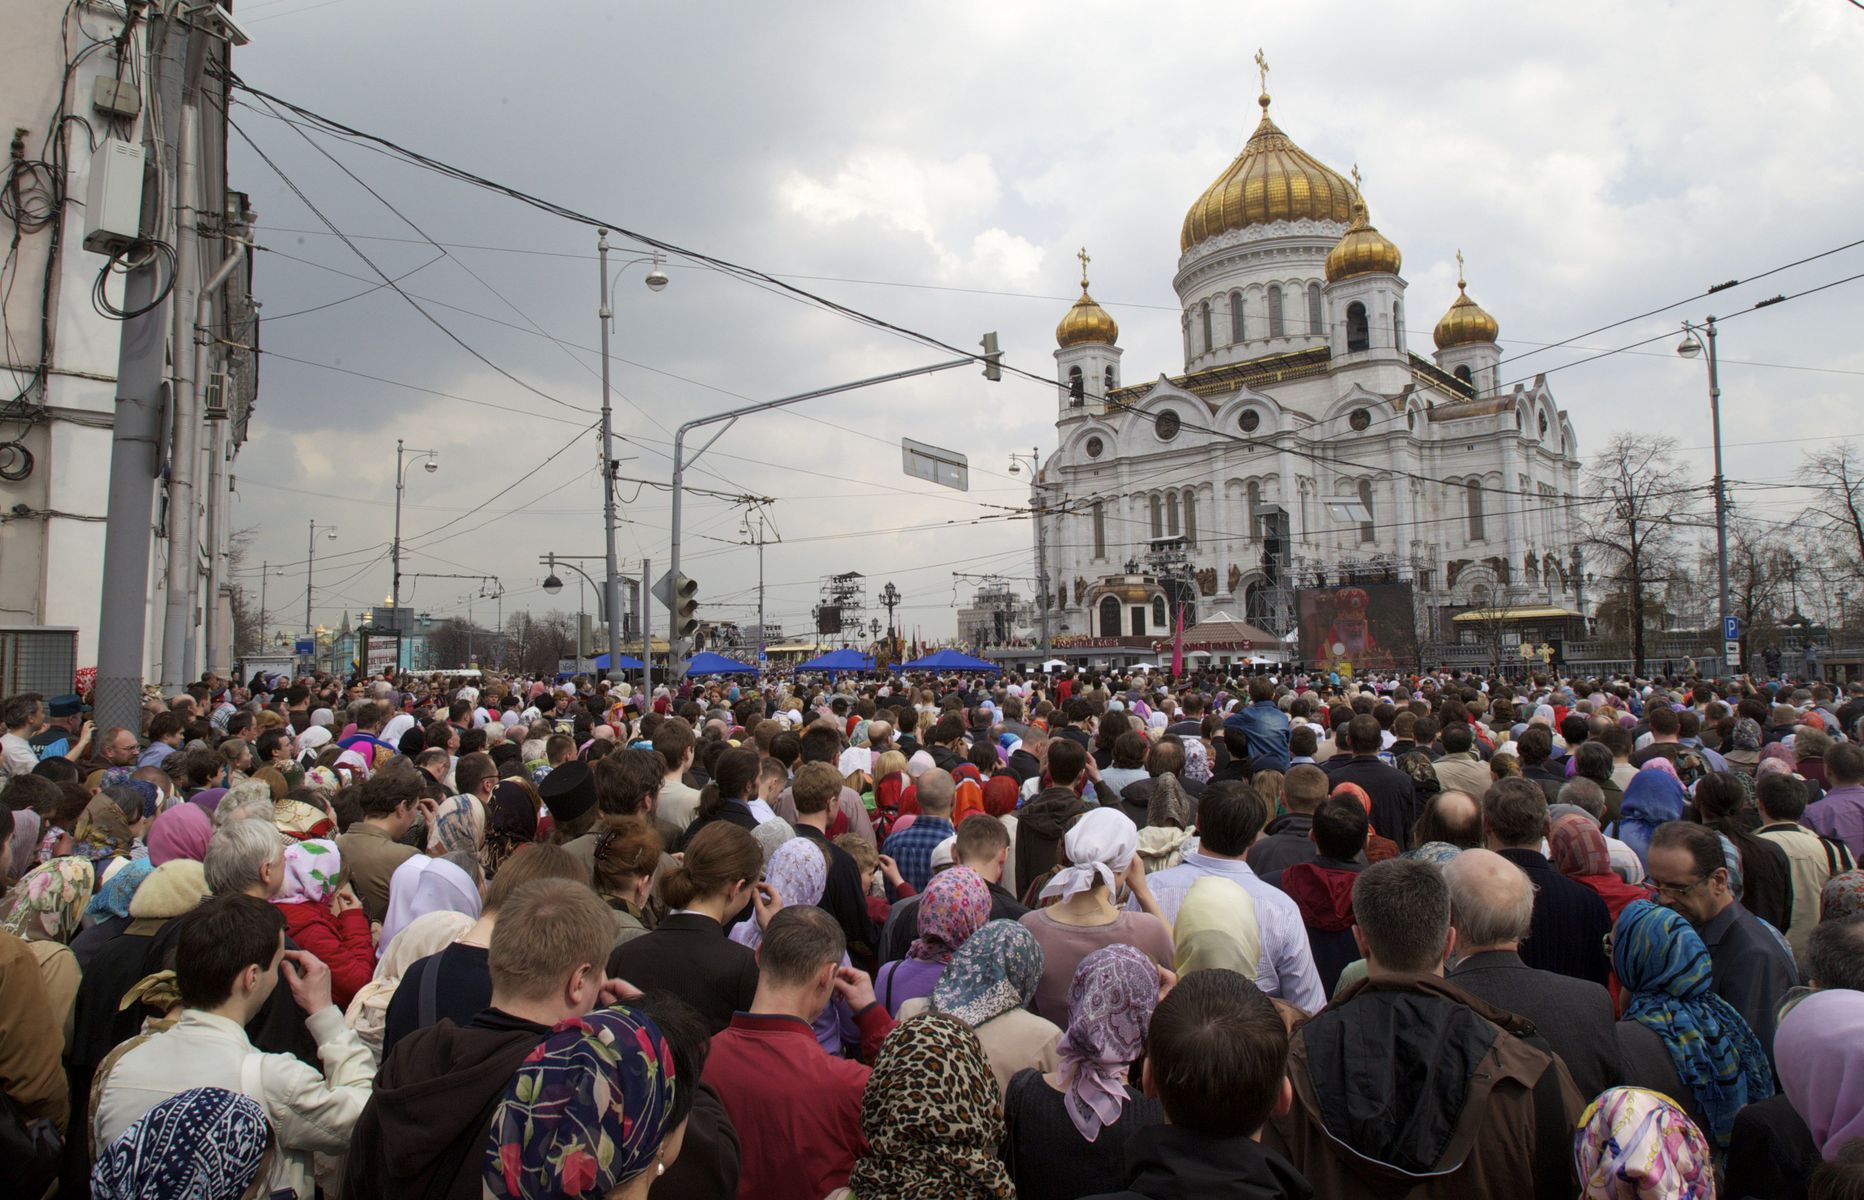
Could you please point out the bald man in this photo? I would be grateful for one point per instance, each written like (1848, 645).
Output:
(1491, 909)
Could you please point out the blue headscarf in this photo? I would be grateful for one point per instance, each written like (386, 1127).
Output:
(205, 1142)
(112, 899)
(1651, 798)
(1667, 975)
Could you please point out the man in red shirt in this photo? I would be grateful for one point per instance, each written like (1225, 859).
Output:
(797, 1109)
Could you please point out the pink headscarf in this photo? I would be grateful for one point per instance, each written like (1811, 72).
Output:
(181, 832)
(311, 867)
(1663, 764)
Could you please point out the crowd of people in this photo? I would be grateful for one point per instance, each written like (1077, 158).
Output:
(937, 938)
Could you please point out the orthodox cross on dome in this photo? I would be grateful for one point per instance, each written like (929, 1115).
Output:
(1356, 184)
(1084, 261)
(1262, 67)
(1460, 283)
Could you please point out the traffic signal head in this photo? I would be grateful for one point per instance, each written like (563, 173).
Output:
(993, 358)
(685, 606)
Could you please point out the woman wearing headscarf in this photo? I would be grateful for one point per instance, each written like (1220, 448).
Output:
(22, 845)
(1580, 854)
(108, 912)
(932, 1119)
(1378, 847)
(1634, 1144)
(510, 822)
(955, 905)
(1216, 929)
(595, 1111)
(423, 885)
(182, 832)
(988, 987)
(458, 824)
(1715, 1062)
(1100, 848)
(1067, 1130)
(1842, 896)
(204, 1143)
(113, 823)
(44, 910)
(325, 919)
(1653, 796)
(1743, 750)
(1820, 1049)
(367, 1013)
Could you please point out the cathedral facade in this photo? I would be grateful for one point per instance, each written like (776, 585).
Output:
(1305, 442)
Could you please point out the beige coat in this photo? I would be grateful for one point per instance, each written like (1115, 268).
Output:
(1011, 1041)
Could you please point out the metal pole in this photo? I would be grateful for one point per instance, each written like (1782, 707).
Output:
(310, 565)
(675, 656)
(647, 638)
(761, 639)
(1721, 490)
(611, 584)
(265, 574)
(395, 547)
(216, 462)
(1042, 596)
(185, 448)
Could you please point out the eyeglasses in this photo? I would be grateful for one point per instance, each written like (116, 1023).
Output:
(1671, 889)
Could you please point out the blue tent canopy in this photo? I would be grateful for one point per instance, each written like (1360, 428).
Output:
(628, 662)
(949, 660)
(838, 660)
(708, 663)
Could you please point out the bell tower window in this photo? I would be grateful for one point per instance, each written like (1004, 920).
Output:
(1315, 324)
(1203, 318)
(1158, 517)
(1236, 317)
(1463, 374)
(1368, 529)
(1077, 387)
(1477, 532)
(1275, 310)
(1190, 518)
(1108, 381)
(1171, 513)
(1358, 336)
(1100, 530)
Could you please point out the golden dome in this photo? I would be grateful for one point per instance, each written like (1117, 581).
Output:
(1086, 322)
(1271, 180)
(1363, 250)
(1466, 323)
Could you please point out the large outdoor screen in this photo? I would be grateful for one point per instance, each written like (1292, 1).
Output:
(1364, 626)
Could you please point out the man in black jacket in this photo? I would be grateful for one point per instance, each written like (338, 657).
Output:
(1491, 908)
(1288, 839)
(1570, 920)
(1216, 1059)
(816, 787)
(1394, 799)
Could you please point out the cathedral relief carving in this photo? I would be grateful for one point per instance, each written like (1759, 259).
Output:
(1236, 577)
(1080, 590)
(1207, 581)
(1262, 233)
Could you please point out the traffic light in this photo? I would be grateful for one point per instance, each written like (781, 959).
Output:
(685, 606)
(993, 358)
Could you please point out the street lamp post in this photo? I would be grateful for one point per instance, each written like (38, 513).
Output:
(890, 596)
(605, 312)
(1690, 347)
(1035, 508)
(552, 585)
(265, 573)
(310, 565)
(432, 463)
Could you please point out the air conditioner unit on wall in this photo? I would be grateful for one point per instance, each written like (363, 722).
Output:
(214, 397)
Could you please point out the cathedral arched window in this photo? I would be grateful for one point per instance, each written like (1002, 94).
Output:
(1463, 374)
(1398, 326)
(1368, 529)
(1109, 616)
(1171, 513)
(1236, 317)
(1314, 322)
(1255, 504)
(1477, 532)
(1159, 620)
(1275, 310)
(1190, 517)
(1358, 336)
(1077, 387)
(1186, 321)
(1108, 381)
(1158, 517)
(1100, 530)
(1203, 318)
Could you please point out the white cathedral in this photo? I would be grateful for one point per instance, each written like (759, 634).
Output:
(1303, 426)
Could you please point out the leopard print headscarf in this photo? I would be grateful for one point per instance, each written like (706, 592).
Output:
(932, 1117)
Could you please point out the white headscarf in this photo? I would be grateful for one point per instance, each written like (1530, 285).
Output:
(1101, 846)
(397, 725)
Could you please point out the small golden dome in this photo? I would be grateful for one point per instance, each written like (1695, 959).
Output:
(1271, 180)
(1086, 322)
(1362, 250)
(1466, 323)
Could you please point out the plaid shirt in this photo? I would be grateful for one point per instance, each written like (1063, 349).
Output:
(912, 848)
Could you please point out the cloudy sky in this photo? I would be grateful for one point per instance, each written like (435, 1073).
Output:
(938, 166)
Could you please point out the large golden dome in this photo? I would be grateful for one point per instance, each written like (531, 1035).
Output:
(1466, 323)
(1086, 322)
(1271, 180)
(1363, 250)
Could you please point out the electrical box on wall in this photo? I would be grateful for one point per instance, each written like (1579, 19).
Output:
(115, 97)
(113, 199)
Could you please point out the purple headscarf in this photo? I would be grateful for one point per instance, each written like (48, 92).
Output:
(1109, 1007)
(207, 800)
(799, 872)
(24, 848)
(1820, 1048)
(181, 832)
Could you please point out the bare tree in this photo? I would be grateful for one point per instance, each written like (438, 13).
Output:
(1638, 498)
(1836, 474)
(248, 621)
(1760, 568)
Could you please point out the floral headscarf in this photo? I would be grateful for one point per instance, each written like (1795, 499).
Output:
(1666, 972)
(311, 870)
(588, 1110)
(1435, 853)
(112, 899)
(1747, 735)
(1109, 1007)
(1196, 760)
(955, 905)
(932, 1117)
(996, 970)
(1634, 1144)
(771, 835)
(1579, 847)
(1842, 895)
(205, 1142)
(1169, 804)
(49, 902)
(799, 872)
(102, 830)
(459, 824)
